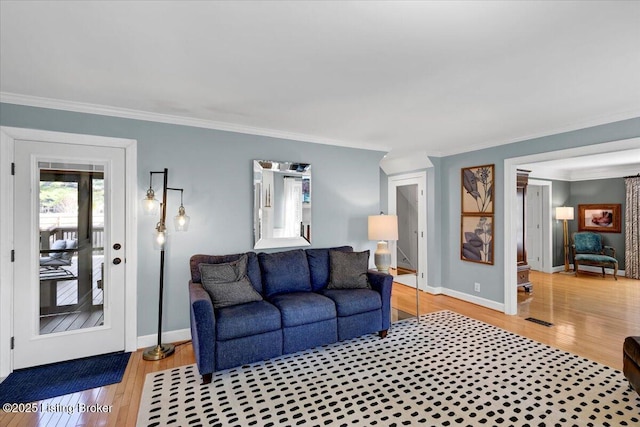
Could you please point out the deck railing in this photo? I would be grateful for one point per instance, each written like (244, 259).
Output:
(56, 232)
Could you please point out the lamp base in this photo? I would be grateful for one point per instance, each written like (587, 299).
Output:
(382, 257)
(159, 352)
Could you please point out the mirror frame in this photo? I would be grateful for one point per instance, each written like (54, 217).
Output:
(262, 198)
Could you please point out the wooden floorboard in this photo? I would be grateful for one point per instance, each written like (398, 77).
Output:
(590, 316)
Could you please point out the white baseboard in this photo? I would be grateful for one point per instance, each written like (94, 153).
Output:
(167, 337)
(498, 306)
(436, 290)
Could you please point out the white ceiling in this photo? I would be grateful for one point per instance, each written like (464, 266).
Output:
(432, 77)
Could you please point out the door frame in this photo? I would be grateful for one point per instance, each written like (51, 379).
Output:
(8, 138)
(547, 222)
(510, 208)
(419, 178)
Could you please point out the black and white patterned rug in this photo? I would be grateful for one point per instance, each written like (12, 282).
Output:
(447, 370)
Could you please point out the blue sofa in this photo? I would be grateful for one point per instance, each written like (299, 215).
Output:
(297, 310)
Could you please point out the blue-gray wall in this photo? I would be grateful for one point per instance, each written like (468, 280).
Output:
(608, 191)
(214, 167)
(460, 275)
(215, 170)
(560, 196)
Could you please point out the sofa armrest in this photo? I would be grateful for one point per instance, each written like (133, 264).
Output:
(203, 328)
(611, 250)
(382, 283)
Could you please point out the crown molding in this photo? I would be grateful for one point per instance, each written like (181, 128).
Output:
(595, 121)
(104, 110)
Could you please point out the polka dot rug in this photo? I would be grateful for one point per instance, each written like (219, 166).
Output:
(446, 370)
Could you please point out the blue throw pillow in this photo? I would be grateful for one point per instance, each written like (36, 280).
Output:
(284, 272)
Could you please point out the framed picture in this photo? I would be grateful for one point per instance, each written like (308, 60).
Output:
(476, 238)
(478, 189)
(603, 218)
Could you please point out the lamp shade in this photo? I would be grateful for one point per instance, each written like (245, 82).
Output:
(564, 212)
(383, 227)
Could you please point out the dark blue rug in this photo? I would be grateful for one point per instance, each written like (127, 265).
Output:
(47, 381)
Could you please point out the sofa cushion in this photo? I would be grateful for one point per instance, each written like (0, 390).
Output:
(300, 308)
(353, 301)
(348, 270)
(284, 272)
(319, 265)
(227, 283)
(253, 268)
(246, 319)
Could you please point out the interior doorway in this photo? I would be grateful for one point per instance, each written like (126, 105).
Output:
(539, 225)
(407, 200)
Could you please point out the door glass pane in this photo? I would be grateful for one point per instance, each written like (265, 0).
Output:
(71, 228)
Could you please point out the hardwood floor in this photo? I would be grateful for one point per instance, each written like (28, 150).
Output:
(591, 317)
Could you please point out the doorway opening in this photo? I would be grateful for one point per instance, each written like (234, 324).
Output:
(407, 200)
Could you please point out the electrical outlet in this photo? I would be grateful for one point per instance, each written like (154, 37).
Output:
(476, 287)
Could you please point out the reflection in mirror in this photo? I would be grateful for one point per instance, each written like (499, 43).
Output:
(281, 204)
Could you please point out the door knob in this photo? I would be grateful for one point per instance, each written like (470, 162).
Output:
(117, 261)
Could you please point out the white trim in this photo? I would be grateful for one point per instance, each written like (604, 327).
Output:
(6, 245)
(11, 134)
(547, 218)
(81, 107)
(509, 207)
(103, 110)
(605, 172)
(596, 121)
(394, 165)
(419, 178)
(178, 335)
(474, 299)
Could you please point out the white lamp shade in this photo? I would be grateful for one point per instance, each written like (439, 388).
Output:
(383, 227)
(564, 212)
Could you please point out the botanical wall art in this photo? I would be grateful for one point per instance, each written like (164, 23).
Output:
(476, 221)
(478, 189)
(601, 218)
(477, 238)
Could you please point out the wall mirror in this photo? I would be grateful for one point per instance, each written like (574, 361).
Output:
(281, 204)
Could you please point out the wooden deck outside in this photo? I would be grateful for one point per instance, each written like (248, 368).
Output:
(73, 313)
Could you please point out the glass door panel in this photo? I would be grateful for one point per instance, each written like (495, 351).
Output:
(71, 258)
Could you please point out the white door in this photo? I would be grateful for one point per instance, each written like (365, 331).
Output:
(69, 232)
(534, 227)
(407, 199)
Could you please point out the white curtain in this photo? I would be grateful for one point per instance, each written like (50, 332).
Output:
(632, 228)
(292, 206)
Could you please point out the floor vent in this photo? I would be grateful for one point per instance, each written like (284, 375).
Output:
(538, 321)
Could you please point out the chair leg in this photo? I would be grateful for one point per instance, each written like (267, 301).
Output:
(615, 271)
(603, 272)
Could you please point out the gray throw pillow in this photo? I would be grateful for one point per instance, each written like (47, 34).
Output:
(228, 284)
(348, 270)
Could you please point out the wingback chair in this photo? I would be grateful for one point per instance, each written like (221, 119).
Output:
(589, 250)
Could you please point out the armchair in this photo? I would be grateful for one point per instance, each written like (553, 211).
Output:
(587, 249)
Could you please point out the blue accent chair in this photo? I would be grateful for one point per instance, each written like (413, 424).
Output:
(587, 249)
(297, 311)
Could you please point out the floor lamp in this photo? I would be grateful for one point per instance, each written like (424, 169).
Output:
(151, 206)
(565, 213)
